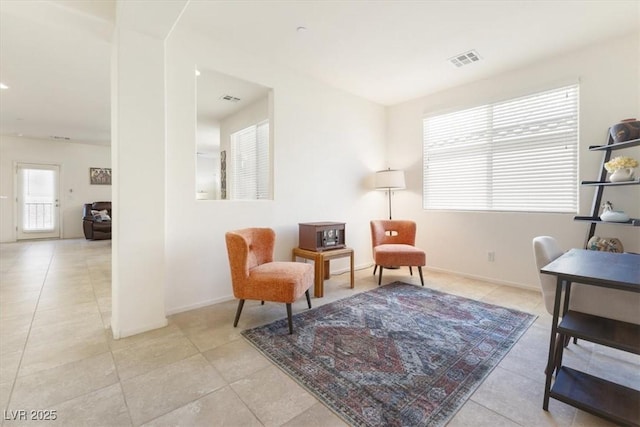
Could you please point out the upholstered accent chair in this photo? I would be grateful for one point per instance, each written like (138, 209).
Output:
(393, 243)
(603, 302)
(256, 276)
(96, 220)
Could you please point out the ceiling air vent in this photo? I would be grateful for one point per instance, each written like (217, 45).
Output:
(229, 98)
(60, 138)
(465, 58)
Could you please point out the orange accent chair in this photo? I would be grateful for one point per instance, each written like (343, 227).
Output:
(393, 244)
(255, 276)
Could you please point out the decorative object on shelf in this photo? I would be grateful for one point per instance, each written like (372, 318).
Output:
(626, 130)
(621, 175)
(621, 168)
(609, 215)
(606, 244)
(389, 180)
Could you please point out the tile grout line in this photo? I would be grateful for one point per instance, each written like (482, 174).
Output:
(26, 341)
(105, 332)
(491, 410)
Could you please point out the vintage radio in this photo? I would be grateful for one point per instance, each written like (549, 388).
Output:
(321, 236)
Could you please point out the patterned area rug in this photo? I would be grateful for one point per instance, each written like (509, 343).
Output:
(400, 355)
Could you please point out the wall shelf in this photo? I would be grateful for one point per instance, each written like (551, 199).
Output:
(601, 183)
(615, 145)
(612, 184)
(596, 220)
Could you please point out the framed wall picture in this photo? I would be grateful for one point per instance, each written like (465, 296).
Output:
(100, 176)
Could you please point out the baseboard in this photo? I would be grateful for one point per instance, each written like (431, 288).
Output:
(176, 310)
(123, 333)
(355, 268)
(485, 279)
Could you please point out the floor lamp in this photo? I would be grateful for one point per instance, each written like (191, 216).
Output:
(389, 180)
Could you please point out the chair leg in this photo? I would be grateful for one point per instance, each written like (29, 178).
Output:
(262, 303)
(238, 311)
(556, 354)
(375, 267)
(421, 278)
(380, 276)
(410, 271)
(567, 340)
(308, 298)
(289, 318)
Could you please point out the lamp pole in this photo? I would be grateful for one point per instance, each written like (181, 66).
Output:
(389, 180)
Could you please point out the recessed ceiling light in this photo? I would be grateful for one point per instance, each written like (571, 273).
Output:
(3, 86)
(197, 72)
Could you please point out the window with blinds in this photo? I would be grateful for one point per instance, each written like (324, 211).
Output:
(515, 155)
(250, 157)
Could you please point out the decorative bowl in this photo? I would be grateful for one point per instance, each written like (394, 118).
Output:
(614, 216)
(626, 130)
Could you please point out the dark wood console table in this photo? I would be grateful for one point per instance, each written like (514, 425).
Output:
(321, 264)
(587, 392)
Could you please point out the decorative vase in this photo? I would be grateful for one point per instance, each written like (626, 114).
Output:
(620, 175)
(626, 130)
(614, 216)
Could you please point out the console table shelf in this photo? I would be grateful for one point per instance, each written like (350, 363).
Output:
(608, 332)
(614, 402)
(597, 396)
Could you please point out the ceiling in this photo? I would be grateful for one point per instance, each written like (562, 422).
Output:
(55, 55)
(213, 87)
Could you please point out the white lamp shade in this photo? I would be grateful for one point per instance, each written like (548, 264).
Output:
(389, 180)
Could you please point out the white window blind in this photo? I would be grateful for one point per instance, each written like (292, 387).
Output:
(250, 154)
(516, 155)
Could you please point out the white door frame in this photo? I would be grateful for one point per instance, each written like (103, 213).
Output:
(56, 233)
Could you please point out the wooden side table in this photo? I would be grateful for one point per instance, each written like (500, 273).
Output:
(321, 262)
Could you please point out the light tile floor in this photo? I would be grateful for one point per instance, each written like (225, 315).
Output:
(57, 353)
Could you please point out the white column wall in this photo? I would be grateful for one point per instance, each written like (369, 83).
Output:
(326, 145)
(138, 153)
(460, 241)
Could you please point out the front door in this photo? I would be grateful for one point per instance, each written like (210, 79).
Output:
(37, 198)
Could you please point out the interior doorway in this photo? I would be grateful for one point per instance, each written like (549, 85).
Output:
(38, 207)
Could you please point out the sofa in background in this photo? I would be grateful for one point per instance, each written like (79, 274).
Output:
(96, 220)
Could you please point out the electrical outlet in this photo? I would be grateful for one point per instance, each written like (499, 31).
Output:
(491, 256)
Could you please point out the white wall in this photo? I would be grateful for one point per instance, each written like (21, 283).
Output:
(139, 155)
(327, 143)
(459, 241)
(74, 159)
